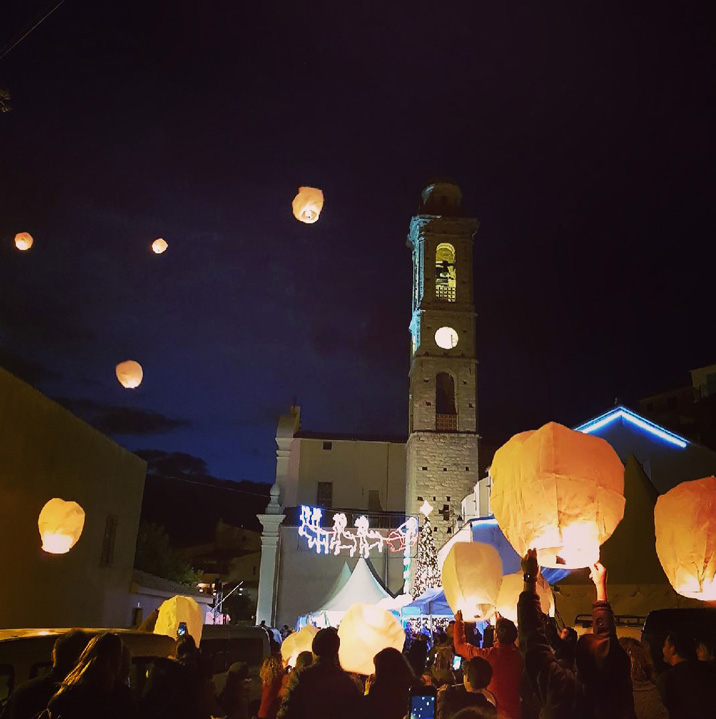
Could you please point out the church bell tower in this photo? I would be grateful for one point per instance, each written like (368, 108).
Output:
(442, 445)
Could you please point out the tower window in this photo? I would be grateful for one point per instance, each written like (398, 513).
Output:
(445, 408)
(324, 495)
(425, 469)
(328, 445)
(445, 274)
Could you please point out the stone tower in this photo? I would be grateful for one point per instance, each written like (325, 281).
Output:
(442, 446)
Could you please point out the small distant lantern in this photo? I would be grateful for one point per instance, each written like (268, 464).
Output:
(685, 527)
(471, 578)
(130, 374)
(296, 643)
(558, 491)
(23, 241)
(176, 611)
(159, 245)
(60, 524)
(512, 585)
(364, 631)
(307, 204)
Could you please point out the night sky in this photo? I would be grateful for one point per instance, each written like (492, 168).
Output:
(581, 134)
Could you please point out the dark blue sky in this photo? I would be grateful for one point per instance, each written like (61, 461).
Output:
(581, 134)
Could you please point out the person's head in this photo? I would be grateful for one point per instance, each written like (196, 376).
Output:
(476, 674)
(705, 651)
(417, 656)
(505, 632)
(186, 651)
(443, 660)
(303, 660)
(271, 670)
(263, 623)
(238, 672)
(678, 648)
(474, 713)
(642, 669)
(569, 633)
(326, 645)
(101, 665)
(392, 670)
(450, 629)
(67, 650)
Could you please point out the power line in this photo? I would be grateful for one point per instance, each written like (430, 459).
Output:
(210, 486)
(14, 43)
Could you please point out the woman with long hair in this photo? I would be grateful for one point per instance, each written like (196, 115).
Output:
(387, 697)
(647, 701)
(272, 675)
(441, 671)
(98, 685)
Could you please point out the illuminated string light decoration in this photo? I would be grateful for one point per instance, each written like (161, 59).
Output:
(23, 241)
(129, 374)
(159, 245)
(307, 204)
(427, 572)
(559, 491)
(359, 541)
(685, 527)
(60, 524)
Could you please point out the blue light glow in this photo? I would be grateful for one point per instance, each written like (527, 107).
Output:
(635, 419)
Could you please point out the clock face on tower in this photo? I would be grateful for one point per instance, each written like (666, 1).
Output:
(446, 338)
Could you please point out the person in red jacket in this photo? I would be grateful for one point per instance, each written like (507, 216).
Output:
(505, 660)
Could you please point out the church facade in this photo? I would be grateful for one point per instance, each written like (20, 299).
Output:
(339, 497)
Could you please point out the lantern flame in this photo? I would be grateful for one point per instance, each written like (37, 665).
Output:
(129, 374)
(60, 524)
(159, 245)
(23, 241)
(307, 204)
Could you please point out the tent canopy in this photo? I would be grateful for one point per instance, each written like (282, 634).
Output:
(431, 601)
(362, 587)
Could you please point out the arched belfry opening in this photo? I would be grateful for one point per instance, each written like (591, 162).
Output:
(445, 405)
(445, 273)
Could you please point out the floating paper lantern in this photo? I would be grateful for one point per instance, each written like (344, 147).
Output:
(685, 526)
(60, 524)
(23, 241)
(307, 204)
(558, 491)
(130, 374)
(177, 610)
(471, 578)
(512, 586)
(159, 245)
(364, 631)
(298, 642)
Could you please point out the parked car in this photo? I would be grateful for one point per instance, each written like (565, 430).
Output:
(27, 653)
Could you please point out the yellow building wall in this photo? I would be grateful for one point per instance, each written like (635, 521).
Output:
(46, 452)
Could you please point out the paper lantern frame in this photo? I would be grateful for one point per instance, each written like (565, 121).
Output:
(60, 524)
(129, 374)
(307, 205)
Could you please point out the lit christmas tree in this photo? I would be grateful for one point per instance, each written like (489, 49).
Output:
(427, 574)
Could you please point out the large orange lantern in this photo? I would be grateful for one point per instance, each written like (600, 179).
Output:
(23, 241)
(307, 204)
(159, 245)
(685, 526)
(510, 589)
(471, 578)
(558, 491)
(298, 642)
(176, 611)
(129, 374)
(60, 524)
(364, 631)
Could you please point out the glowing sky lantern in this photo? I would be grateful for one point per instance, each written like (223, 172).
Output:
(298, 642)
(685, 525)
(471, 577)
(364, 631)
(512, 585)
(129, 374)
(23, 241)
(60, 524)
(558, 491)
(307, 204)
(159, 245)
(178, 609)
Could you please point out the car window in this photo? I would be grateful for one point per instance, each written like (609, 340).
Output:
(40, 669)
(7, 681)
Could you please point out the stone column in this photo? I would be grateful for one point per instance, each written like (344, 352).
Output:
(271, 521)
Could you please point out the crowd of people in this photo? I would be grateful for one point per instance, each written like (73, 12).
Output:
(536, 673)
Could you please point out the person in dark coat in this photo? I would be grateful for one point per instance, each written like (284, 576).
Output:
(603, 689)
(323, 690)
(684, 686)
(476, 675)
(31, 697)
(98, 684)
(234, 697)
(387, 697)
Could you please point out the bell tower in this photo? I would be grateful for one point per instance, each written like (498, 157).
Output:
(442, 445)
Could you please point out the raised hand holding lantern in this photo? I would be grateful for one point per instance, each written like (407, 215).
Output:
(129, 374)
(510, 589)
(685, 527)
(471, 578)
(558, 491)
(364, 631)
(307, 204)
(60, 524)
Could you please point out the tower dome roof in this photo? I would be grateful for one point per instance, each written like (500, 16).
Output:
(441, 196)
